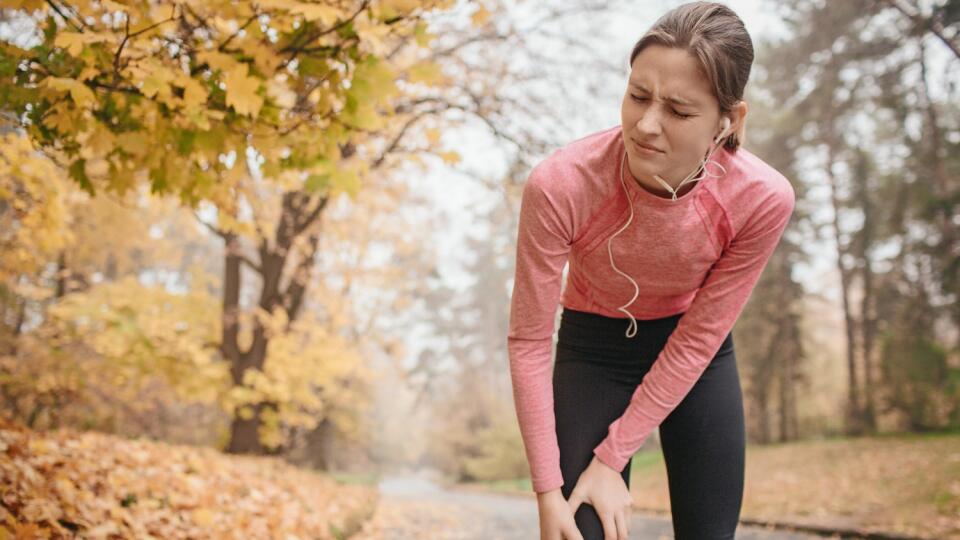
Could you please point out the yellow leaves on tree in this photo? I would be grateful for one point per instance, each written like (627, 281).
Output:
(309, 374)
(242, 91)
(180, 75)
(372, 82)
(428, 73)
(74, 42)
(480, 16)
(79, 93)
(141, 332)
(32, 208)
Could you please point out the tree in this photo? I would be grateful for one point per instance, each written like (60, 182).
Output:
(243, 100)
(857, 85)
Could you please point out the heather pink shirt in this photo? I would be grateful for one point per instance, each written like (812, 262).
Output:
(701, 254)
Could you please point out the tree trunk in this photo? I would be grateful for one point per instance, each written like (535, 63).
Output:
(297, 216)
(867, 315)
(853, 416)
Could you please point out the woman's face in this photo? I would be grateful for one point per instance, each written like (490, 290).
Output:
(669, 106)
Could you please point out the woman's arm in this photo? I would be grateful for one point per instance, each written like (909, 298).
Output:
(702, 328)
(544, 236)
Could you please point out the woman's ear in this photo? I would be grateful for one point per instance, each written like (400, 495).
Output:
(739, 130)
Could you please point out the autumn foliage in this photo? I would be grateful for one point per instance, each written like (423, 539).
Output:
(253, 114)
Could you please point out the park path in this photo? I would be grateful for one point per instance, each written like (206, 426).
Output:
(414, 507)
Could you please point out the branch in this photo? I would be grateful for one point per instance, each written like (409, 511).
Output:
(55, 7)
(243, 27)
(931, 25)
(295, 47)
(396, 140)
(243, 258)
(312, 216)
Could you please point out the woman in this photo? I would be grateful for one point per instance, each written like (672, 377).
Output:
(666, 223)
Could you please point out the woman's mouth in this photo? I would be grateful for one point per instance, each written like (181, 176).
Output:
(647, 150)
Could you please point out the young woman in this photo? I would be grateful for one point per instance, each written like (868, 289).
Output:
(666, 223)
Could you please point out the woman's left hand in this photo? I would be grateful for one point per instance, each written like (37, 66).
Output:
(603, 488)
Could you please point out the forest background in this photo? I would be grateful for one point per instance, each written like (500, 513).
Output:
(287, 228)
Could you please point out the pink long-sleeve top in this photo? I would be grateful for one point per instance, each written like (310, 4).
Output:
(701, 255)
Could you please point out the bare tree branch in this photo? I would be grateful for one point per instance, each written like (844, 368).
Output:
(925, 24)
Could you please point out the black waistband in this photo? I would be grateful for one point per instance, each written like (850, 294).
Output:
(583, 326)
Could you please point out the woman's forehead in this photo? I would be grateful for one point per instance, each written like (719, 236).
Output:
(671, 72)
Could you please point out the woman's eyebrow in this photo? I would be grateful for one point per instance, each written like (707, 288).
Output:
(675, 99)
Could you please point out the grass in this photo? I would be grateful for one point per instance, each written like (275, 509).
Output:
(355, 479)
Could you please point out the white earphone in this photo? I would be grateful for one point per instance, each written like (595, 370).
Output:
(723, 130)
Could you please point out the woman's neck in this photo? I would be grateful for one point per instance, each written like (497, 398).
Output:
(651, 185)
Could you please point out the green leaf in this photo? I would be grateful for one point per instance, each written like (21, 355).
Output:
(316, 182)
(345, 180)
(78, 172)
(185, 140)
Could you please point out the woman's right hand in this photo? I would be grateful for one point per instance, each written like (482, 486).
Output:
(556, 519)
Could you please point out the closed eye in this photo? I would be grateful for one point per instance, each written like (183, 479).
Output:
(675, 113)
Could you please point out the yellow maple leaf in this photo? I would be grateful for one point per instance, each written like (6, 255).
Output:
(242, 91)
(422, 36)
(428, 73)
(399, 7)
(73, 42)
(217, 60)
(134, 143)
(194, 94)
(29, 5)
(265, 57)
(481, 16)
(87, 73)
(450, 157)
(79, 92)
(59, 118)
(325, 14)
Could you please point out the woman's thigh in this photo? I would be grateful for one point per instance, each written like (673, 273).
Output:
(596, 373)
(703, 443)
(586, 402)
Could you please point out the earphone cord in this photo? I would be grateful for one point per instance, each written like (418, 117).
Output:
(632, 328)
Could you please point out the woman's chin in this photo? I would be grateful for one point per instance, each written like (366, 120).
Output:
(643, 169)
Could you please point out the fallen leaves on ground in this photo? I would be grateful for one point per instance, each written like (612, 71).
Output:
(62, 483)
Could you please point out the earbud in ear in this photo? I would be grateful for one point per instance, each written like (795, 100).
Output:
(723, 130)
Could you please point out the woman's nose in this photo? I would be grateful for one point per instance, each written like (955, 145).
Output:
(649, 122)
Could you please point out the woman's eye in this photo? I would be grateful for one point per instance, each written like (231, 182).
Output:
(675, 113)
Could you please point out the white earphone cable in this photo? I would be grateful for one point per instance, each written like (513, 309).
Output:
(632, 328)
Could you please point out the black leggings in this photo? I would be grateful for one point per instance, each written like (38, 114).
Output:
(596, 372)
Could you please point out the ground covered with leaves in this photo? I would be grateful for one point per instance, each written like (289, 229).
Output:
(65, 483)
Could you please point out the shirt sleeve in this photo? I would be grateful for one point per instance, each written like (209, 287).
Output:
(702, 328)
(543, 244)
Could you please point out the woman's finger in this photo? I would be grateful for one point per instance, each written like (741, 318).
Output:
(572, 533)
(608, 520)
(574, 501)
(621, 522)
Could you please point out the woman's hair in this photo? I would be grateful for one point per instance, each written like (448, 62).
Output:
(715, 35)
